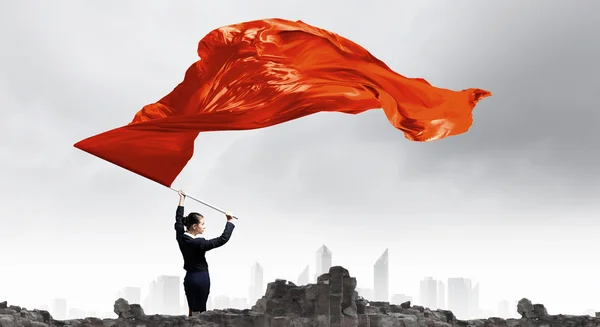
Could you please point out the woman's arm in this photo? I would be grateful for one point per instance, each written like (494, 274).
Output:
(214, 243)
(179, 226)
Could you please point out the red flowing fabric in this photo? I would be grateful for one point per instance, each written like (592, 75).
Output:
(266, 72)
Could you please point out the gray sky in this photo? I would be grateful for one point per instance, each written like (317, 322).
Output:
(512, 203)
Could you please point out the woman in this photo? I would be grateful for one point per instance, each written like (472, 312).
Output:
(193, 248)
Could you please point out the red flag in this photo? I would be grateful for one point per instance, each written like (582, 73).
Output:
(266, 72)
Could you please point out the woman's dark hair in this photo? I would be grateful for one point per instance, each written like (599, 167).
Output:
(191, 219)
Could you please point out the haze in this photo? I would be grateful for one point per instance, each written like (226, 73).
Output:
(512, 204)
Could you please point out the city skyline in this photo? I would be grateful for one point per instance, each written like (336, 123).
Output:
(323, 261)
(505, 204)
(463, 297)
(428, 293)
(256, 282)
(459, 296)
(441, 294)
(303, 277)
(381, 279)
(164, 295)
(131, 294)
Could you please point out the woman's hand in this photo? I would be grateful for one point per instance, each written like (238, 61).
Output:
(229, 216)
(181, 197)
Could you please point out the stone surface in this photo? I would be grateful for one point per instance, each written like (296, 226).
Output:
(525, 308)
(332, 302)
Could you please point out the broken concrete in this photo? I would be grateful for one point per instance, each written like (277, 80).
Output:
(332, 302)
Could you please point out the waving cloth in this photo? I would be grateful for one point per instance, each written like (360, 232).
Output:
(266, 72)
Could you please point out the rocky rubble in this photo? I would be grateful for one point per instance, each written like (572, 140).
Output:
(332, 302)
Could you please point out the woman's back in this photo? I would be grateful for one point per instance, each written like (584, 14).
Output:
(194, 247)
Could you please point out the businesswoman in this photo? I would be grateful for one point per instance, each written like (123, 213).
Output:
(193, 248)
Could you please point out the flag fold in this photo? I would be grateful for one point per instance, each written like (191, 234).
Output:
(266, 72)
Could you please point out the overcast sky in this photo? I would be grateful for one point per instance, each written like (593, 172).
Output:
(513, 203)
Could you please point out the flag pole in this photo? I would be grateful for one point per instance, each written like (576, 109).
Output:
(204, 203)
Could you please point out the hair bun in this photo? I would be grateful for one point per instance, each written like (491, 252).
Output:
(184, 220)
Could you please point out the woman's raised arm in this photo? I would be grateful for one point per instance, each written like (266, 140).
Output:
(179, 223)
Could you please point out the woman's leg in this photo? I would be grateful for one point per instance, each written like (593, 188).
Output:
(204, 291)
(189, 293)
(198, 290)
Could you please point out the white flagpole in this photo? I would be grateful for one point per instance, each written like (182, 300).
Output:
(204, 203)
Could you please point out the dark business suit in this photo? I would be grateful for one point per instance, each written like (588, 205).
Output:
(197, 279)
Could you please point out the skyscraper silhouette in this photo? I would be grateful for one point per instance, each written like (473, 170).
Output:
(400, 298)
(184, 306)
(366, 293)
(75, 313)
(221, 302)
(589, 312)
(441, 295)
(381, 278)
(58, 309)
(474, 302)
(256, 283)
(209, 303)
(163, 295)
(503, 311)
(131, 294)
(428, 293)
(238, 303)
(172, 288)
(303, 278)
(323, 261)
(459, 297)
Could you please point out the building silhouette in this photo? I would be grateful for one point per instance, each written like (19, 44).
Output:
(502, 310)
(209, 303)
(400, 298)
(486, 313)
(589, 312)
(171, 286)
(131, 294)
(163, 296)
(441, 295)
(58, 309)
(365, 293)
(75, 313)
(323, 261)
(303, 278)
(381, 278)
(256, 283)
(459, 297)
(474, 310)
(239, 303)
(221, 302)
(184, 306)
(428, 293)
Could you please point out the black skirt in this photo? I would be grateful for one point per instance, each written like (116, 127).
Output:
(197, 288)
